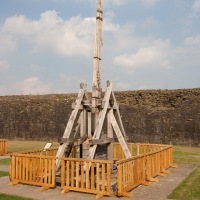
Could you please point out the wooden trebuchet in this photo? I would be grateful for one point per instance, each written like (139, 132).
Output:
(93, 112)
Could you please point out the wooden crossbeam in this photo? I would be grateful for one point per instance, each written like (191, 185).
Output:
(101, 141)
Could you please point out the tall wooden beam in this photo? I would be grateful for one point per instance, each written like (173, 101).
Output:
(72, 118)
(97, 47)
(96, 85)
(120, 137)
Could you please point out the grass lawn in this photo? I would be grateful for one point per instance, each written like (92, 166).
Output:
(184, 154)
(2, 173)
(17, 146)
(5, 161)
(189, 189)
(12, 197)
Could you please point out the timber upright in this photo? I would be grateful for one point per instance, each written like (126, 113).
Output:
(89, 114)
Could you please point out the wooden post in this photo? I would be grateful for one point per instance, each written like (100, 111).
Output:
(120, 137)
(70, 124)
(89, 125)
(109, 135)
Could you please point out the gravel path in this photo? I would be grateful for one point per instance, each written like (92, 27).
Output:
(158, 191)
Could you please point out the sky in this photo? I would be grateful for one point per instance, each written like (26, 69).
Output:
(47, 46)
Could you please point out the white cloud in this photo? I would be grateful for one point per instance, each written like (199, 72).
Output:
(7, 44)
(53, 34)
(196, 6)
(152, 56)
(192, 40)
(32, 85)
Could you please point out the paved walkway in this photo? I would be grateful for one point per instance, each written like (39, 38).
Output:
(158, 191)
(4, 157)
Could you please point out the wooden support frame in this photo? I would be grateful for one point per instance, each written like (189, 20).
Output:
(94, 112)
(106, 111)
(70, 123)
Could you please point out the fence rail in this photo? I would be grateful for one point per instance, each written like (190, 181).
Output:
(83, 175)
(142, 168)
(3, 147)
(118, 152)
(130, 174)
(33, 169)
(147, 148)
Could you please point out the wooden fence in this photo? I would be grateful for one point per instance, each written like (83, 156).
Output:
(118, 152)
(146, 148)
(142, 168)
(130, 174)
(33, 170)
(93, 176)
(3, 147)
(89, 176)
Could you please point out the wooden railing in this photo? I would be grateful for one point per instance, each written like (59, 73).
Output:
(3, 147)
(130, 174)
(93, 176)
(157, 163)
(53, 152)
(142, 168)
(33, 170)
(147, 148)
(118, 152)
(83, 175)
(32, 152)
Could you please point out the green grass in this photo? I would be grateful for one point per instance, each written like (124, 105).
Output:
(12, 197)
(17, 146)
(5, 161)
(2, 173)
(188, 189)
(184, 154)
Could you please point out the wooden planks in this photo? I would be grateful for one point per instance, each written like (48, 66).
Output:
(88, 176)
(33, 170)
(144, 167)
(3, 147)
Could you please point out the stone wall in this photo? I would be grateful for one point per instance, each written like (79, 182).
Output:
(154, 116)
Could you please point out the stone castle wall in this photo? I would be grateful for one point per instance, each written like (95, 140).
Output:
(154, 116)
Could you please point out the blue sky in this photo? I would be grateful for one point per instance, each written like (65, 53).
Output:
(47, 46)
